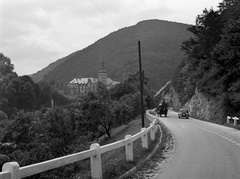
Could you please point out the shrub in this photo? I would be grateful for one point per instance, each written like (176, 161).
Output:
(3, 159)
(3, 115)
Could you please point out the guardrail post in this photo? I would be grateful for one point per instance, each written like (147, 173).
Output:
(96, 162)
(13, 168)
(129, 148)
(228, 118)
(235, 121)
(152, 131)
(144, 138)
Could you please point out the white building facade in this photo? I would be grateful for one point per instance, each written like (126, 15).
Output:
(81, 86)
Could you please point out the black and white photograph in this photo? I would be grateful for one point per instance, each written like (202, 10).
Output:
(120, 89)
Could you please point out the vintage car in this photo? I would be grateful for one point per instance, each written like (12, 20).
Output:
(183, 113)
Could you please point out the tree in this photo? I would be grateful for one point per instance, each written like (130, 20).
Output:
(102, 92)
(3, 159)
(4, 123)
(207, 33)
(4, 105)
(197, 68)
(20, 93)
(98, 113)
(46, 94)
(62, 129)
(134, 81)
(121, 89)
(122, 113)
(212, 63)
(5, 65)
(134, 101)
(20, 131)
(226, 55)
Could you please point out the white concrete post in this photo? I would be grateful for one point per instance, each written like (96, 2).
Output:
(235, 120)
(13, 168)
(144, 138)
(152, 131)
(228, 118)
(129, 148)
(96, 162)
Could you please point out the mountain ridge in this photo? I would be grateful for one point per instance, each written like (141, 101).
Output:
(160, 47)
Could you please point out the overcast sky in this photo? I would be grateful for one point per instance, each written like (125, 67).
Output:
(35, 33)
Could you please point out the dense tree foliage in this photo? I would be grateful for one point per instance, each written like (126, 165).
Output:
(6, 66)
(213, 57)
(104, 112)
(33, 137)
(36, 124)
(21, 93)
(30, 136)
(129, 92)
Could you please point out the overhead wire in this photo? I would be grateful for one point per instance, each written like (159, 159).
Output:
(104, 13)
(110, 19)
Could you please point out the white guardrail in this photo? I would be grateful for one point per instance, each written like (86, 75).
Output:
(12, 170)
(235, 120)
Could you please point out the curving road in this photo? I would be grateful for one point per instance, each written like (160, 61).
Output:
(202, 150)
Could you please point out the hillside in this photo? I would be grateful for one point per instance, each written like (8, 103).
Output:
(208, 80)
(161, 54)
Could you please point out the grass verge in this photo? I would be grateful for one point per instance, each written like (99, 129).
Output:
(151, 164)
(114, 163)
(118, 167)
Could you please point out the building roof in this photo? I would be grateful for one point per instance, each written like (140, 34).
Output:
(93, 80)
(83, 80)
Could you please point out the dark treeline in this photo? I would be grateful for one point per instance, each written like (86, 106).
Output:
(213, 57)
(32, 129)
(21, 93)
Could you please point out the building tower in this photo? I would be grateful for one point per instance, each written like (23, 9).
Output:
(102, 75)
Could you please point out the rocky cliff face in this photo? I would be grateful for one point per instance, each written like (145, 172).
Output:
(200, 106)
(206, 108)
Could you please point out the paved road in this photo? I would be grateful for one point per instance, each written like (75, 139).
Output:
(203, 150)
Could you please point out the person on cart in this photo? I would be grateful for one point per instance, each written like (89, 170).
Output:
(162, 108)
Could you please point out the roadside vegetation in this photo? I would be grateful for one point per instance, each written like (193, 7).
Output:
(212, 58)
(39, 123)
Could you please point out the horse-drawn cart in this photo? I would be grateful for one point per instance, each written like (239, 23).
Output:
(162, 110)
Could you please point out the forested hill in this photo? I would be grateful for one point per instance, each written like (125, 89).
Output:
(212, 65)
(160, 44)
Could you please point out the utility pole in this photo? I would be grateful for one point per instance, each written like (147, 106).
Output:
(141, 82)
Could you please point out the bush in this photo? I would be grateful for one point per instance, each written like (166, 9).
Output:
(3, 159)
(3, 115)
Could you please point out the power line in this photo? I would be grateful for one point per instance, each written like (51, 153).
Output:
(140, 66)
(104, 13)
(124, 31)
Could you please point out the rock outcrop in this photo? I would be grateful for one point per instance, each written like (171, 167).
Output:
(206, 108)
(199, 105)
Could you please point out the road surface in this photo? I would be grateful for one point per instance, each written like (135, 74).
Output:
(202, 150)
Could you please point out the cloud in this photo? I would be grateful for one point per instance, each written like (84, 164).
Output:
(36, 50)
(42, 31)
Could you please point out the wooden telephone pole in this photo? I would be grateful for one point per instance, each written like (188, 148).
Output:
(141, 83)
